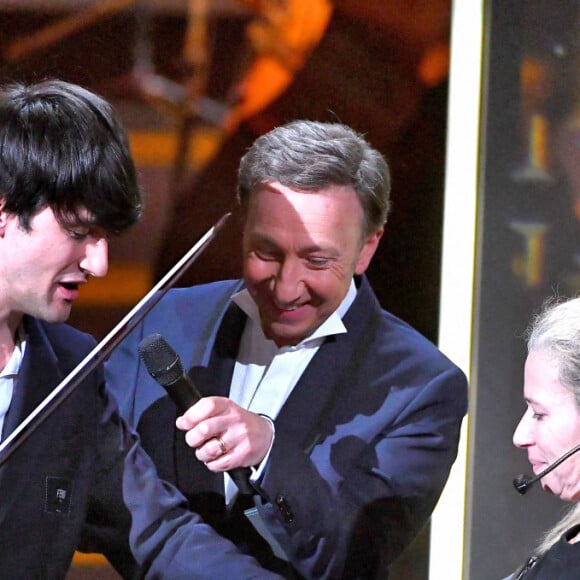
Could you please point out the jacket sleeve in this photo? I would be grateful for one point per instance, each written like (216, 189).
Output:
(165, 539)
(350, 506)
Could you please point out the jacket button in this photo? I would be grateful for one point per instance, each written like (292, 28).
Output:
(284, 508)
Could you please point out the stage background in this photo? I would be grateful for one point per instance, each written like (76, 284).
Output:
(528, 248)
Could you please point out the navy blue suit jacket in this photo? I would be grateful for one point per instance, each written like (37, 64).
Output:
(81, 480)
(363, 444)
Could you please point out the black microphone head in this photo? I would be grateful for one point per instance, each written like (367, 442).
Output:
(161, 360)
(522, 483)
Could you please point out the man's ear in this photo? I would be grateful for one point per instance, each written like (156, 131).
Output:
(3, 216)
(368, 251)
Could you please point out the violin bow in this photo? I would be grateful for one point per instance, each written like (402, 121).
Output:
(98, 355)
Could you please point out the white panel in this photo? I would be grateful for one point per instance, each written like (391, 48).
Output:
(457, 275)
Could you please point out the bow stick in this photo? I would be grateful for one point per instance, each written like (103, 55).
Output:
(105, 347)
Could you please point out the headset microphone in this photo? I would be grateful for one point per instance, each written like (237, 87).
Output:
(523, 482)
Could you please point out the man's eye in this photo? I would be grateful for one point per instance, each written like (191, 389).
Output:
(78, 234)
(537, 416)
(265, 254)
(317, 261)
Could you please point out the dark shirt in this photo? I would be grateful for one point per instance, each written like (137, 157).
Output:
(560, 562)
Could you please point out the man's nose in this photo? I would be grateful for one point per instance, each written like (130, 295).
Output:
(288, 282)
(96, 259)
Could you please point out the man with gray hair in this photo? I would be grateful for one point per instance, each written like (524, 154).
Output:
(345, 417)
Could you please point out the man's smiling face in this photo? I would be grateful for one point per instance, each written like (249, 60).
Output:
(301, 250)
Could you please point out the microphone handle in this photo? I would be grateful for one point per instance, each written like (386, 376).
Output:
(184, 394)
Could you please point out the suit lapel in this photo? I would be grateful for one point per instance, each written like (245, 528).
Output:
(214, 379)
(223, 359)
(38, 375)
(314, 397)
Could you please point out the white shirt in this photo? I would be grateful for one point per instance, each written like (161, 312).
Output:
(265, 374)
(9, 376)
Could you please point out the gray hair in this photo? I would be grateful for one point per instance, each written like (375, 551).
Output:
(556, 329)
(311, 155)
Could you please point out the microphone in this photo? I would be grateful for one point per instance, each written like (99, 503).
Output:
(164, 365)
(523, 482)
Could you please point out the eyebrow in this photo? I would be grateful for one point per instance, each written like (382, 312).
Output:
(73, 220)
(531, 401)
(257, 236)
